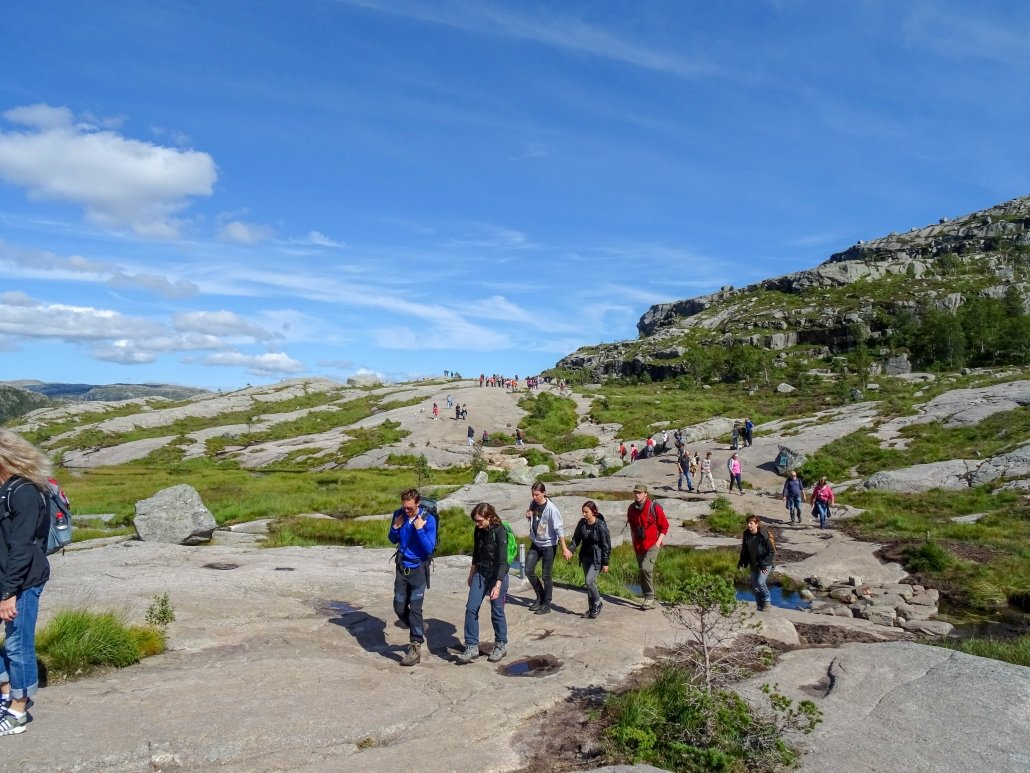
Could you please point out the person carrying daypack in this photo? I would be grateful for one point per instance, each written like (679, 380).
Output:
(758, 552)
(24, 571)
(488, 578)
(594, 553)
(413, 530)
(648, 527)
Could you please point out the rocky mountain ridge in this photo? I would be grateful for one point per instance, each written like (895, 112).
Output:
(854, 296)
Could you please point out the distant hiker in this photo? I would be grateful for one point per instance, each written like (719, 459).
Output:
(471, 436)
(595, 550)
(24, 570)
(683, 468)
(735, 436)
(486, 437)
(546, 532)
(457, 412)
(450, 402)
(436, 411)
(481, 378)
(648, 527)
(794, 495)
(758, 552)
(488, 579)
(633, 453)
(622, 452)
(665, 440)
(413, 530)
(821, 499)
(520, 437)
(733, 467)
(649, 448)
(464, 411)
(706, 472)
(749, 428)
(677, 437)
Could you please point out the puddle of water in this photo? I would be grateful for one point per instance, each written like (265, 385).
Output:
(538, 665)
(1005, 624)
(222, 565)
(634, 588)
(336, 608)
(776, 597)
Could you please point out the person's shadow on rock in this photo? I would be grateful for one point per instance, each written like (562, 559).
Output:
(442, 638)
(369, 632)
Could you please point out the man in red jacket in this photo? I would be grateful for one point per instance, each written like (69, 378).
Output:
(648, 527)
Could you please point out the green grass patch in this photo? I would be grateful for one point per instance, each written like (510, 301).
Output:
(1016, 650)
(234, 495)
(551, 422)
(76, 642)
(983, 565)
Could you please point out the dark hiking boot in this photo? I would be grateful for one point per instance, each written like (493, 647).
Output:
(543, 609)
(595, 611)
(535, 605)
(413, 655)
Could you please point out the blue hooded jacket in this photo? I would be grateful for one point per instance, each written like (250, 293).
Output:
(416, 546)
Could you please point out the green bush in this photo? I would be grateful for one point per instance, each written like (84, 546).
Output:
(723, 519)
(928, 557)
(76, 642)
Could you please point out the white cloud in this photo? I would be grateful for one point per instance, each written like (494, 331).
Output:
(155, 284)
(320, 239)
(119, 182)
(123, 352)
(267, 364)
(246, 233)
(220, 323)
(32, 319)
(17, 298)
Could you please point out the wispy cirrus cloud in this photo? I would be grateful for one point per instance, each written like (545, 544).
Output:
(565, 33)
(239, 232)
(118, 181)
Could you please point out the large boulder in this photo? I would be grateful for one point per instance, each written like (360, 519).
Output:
(789, 459)
(174, 515)
(1011, 465)
(951, 475)
(527, 475)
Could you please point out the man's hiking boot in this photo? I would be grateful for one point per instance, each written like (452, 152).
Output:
(535, 605)
(413, 655)
(647, 604)
(470, 653)
(595, 610)
(543, 609)
(500, 650)
(12, 725)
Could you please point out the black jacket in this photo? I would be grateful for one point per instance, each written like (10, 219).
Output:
(756, 550)
(596, 542)
(490, 552)
(24, 526)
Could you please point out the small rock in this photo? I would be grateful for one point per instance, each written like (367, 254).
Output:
(929, 597)
(481, 477)
(854, 582)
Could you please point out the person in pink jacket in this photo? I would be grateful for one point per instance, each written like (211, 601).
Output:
(733, 466)
(821, 500)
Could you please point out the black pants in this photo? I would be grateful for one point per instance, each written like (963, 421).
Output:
(409, 591)
(546, 556)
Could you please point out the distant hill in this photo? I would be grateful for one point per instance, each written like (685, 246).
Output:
(106, 391)
(15, 402)
(944, 296)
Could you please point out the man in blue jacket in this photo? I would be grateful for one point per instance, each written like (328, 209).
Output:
(414, 532)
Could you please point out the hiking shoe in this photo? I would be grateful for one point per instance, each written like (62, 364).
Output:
(470, 653)
(500, 650)
(543, 609)
(413, 655)
(535, 605)
(595, 611)
(12, 725)
(647, 604)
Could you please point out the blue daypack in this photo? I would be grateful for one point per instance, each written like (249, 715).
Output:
(59, 513)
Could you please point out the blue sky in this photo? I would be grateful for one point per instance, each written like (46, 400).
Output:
(226, 192)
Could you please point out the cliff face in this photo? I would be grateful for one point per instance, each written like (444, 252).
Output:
(941, 266)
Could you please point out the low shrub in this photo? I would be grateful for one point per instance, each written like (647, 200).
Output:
(1016, 650)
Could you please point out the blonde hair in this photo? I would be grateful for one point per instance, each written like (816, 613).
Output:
(19, 457)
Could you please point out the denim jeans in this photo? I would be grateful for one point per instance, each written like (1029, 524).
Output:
(19, 650)
(590, 572)
(822, 510)
(690, 482)
(794, 506)
(759, 578)
(736, 477)
(409, 592)
(477, 592)
(546, 557)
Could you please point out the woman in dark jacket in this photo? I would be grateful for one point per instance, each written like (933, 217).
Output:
(488, 578)
(594, 553)
(24, 570)
(758, 552)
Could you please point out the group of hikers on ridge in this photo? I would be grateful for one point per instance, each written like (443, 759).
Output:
(413, 529)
